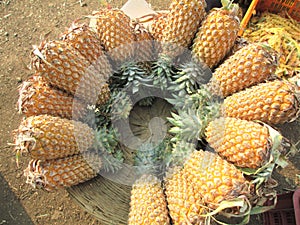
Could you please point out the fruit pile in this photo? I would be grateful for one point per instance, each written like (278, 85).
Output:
(219, 153)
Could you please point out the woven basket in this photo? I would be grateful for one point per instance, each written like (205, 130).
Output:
(107, 197)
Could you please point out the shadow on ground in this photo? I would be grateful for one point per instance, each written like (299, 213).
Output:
(11, 210)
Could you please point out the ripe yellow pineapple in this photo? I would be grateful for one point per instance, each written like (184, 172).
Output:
(88, 44)
(49, 137)
(181, 24)
(241, 142)
(217, 34)
(59, 173)
(250, 65)
(204, 183)
(157, 26)
(64, 67)
(273, 102)
(37, 97)
(148, 204)
(184, 203)
(114, 29)
(214, 178)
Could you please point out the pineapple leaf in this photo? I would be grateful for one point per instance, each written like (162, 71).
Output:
(121, 105)
(162, 72)
(241, 203)
(179, 153)
(106, 142)
(149, 158)
(189, 78)
(187, 125)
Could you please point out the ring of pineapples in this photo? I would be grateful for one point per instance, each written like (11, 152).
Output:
(65, 126)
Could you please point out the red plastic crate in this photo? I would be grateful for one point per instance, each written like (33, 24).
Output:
(296, 201)
(286, 211)
(276, 6)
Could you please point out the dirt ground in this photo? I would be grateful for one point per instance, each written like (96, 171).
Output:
(23, 24)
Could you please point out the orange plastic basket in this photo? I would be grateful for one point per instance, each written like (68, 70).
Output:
(292, 7)
(276, 6)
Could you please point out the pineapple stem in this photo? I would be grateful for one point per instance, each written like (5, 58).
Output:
(227, 4)
(230, 6)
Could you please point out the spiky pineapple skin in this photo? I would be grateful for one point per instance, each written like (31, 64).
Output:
(273, 102)
(157, 26)
(114, 29)
(250, 65)
(214, 178)
(215, 37)
(88, 44)
(184, 203)
(181, 25)
(65, 68)
(37, 97)
(104, 95)
(48, 137)
(53, 174)
(148, 203)
(244, 143)
(144, 46)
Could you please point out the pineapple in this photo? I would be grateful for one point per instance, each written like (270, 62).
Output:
(156, 29)
(244, 143)
(104, 95)
(58, 173)
(184, 203)
(217, 34)
(37, 97)
(48, 137)
(273, 102)
(88, 44)
(250, 65)
(204, 182)
(117, 36)
(214, 178)
(181, 25)
(147, 202)
(64, 67)
(157, 26)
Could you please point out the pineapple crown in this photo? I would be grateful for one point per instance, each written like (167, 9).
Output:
(149, 158)
(195, 112)
(229, 5)
(162, 72)
(117, 107)
(107, 146)
(120, 105)
(130, 74)
(190, 76)
(179, 153)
